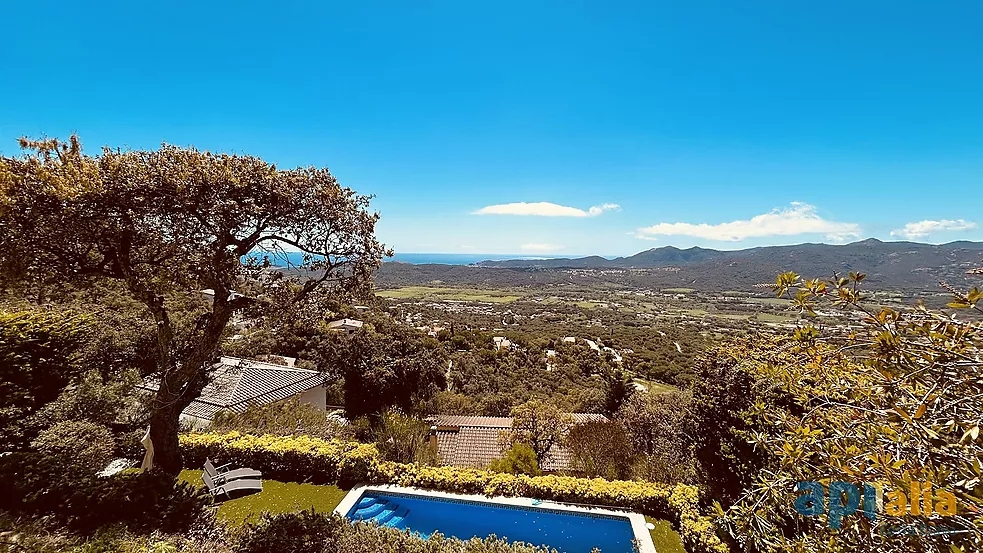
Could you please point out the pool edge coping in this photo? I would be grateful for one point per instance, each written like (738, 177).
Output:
(637, 521)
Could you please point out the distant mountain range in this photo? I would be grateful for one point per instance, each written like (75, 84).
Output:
(903, 266)
(867, 255)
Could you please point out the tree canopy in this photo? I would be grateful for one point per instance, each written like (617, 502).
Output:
(540, 424)
(383, 365)
(181, 220)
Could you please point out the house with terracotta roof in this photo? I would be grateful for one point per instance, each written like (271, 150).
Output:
(237, 384)
(474, 442)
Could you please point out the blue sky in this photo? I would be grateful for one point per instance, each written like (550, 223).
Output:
(715, 123)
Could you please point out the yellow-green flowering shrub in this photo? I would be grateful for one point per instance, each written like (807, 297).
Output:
(290, 458)
(306, 459)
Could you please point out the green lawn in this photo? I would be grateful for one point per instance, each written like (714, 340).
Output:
(656, 387)
(730, 316)
(276, 497)
(679, 290)
(779, 302)
(666, 539)
(438, 293)
(773, 318)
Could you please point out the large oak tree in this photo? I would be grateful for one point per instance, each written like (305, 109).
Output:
(177, 220)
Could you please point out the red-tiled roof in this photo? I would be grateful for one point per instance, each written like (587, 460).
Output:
(467, 441)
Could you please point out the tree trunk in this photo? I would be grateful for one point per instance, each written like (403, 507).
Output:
(164, 426)
(181, 385)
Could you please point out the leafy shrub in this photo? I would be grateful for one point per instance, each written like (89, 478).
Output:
(301, 458)
(656, 426)
(600, 448)
(896, 402)
(541, 424)
(102, 400)
(286, 458)
(39, 485)
(39, 356)
(311, 532)
(82, 446)
(519, 459)
(404, 439)
(24, 535)
(283, 419)
(304, 532)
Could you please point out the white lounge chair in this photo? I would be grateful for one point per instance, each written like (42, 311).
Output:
(222, 473)
(226, 488)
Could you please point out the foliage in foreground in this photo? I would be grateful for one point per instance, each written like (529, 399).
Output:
(659, 439)
(541, 425)
(404, 439)
(312, 532)
(39, 485)
(39, 357)
(600, 449)
(302, 532)
(898, 404)
(303, 458)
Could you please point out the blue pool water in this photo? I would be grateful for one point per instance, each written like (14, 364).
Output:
(564, 531)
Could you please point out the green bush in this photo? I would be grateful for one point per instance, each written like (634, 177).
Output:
(39, 356)
(38, 485)
(304, 532)
(82, 447)
(38, 535)
(600, 448)
(404, 439)
(283, 419)
(305, 459)
(519, 459)
(311, 532)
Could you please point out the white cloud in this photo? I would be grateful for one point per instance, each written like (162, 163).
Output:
(924, 228)
(544, 209)
(797, 218)
(540, 248)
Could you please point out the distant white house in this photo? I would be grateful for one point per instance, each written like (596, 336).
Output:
(614, 353)
(281, 360)
(209, 294)
(570, 340)
(346, 325)
(593, 345)
(501, 342)
(239, 383)
(550, 358)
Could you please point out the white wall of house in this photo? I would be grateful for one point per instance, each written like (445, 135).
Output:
(318, 397)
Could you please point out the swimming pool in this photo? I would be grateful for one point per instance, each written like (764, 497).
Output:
(565, 528)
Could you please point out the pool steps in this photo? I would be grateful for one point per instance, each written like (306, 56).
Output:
(382, 511)
(372, 511)
(397, 517)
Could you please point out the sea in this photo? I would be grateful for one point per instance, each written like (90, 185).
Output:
(296, 258)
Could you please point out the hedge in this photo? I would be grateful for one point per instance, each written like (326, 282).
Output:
(307, 459)
(37, 485)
